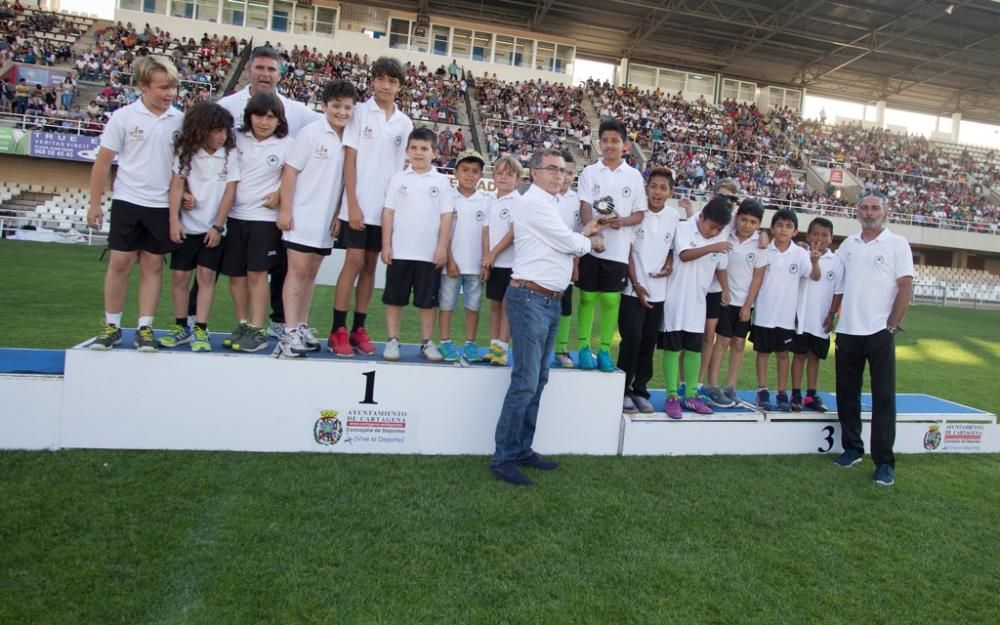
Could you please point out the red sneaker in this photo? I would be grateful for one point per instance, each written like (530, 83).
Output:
(361, 342)
(339, 344)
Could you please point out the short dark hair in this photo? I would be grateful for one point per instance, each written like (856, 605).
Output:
(539, 156)
(336, 89)
(609, 125)
(262, 104)
(388, 66)
(717, 211)
(265, 51)
(662, 172)
(751, 207)
(821, 222)
(567, 156)
(785, 214)
(422, 134)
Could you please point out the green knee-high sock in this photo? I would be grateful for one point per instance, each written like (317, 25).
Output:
(609, 317)
(585, 318)
(562, 335)
(692, 366)
(671, 371)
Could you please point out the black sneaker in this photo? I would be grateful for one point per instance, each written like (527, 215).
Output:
(144, 341)
(108, 337)
(814, 402)
(508, 472)
(537, 462)
(782, 401)
(796, 402)
(764, 400)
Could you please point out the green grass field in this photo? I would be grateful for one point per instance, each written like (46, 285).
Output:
(177, 537)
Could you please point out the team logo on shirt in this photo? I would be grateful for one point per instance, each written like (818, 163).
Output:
(401, 191)
(505, 214)
(435, 192)
(328, 428)
(627, 191)
(322, 152)
(273, 160)
(829, 275)
(176, 136)
(667, 237)
(136, 134)
(793, 268)
(368, 133)
(398, 140)
(879, 259)
(640, 233)
(576, 216)
(480, 215)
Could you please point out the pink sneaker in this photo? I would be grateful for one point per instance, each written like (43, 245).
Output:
(693, 404)
(673, 407)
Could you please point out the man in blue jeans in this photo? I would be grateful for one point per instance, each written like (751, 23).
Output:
(544, 248)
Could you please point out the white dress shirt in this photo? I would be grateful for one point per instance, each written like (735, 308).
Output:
(544, 246)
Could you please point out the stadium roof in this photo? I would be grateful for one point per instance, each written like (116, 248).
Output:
(934, 56)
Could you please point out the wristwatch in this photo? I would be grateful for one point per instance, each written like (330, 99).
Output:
(220, 229)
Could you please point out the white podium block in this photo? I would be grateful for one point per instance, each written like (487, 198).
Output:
(31, 408)
(224, 401)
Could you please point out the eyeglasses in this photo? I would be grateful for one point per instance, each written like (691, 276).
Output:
(552, 169)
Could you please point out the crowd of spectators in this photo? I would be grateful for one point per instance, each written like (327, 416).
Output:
(18, 42)
(520, 117)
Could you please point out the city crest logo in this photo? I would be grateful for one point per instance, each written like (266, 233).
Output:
(328, 428)
(932, 439)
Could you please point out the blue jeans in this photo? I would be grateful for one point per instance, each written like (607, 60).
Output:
(534, 320)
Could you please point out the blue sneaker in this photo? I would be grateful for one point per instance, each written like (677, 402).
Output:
(764, 400)
(448, 352)
(586, 359)
(604, 362)
(783, 404)
(471, 352)
(682, 389)
(885, 475)
(849, 458)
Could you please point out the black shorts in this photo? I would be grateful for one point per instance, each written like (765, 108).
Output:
(250, 246)
(567, 302)
(135, 228)
(679, 340)
(598, 275)
(194, 253)
(496, 284)
(768, 340)
(806, 343)
(418, 276)
(713, 305)
(369, 239)
(730, 326)
(307, 249)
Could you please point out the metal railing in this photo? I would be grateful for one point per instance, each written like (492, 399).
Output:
(50, 124)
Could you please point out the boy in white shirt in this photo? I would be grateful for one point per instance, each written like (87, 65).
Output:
(818, 304)
(775, 292)
(311, 186)
(613, 191)
(141, 135)
(416, 229)
(641, 313)
(498, 253)
(700, 254)
(744, 257)
(465, 256)
(569, 208)
(375, 143)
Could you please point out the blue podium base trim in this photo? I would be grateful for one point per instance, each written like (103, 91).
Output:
(32, 361)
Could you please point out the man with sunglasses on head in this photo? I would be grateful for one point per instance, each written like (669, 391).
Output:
(544, 248)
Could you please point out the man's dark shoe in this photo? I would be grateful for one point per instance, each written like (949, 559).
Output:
(509, 473)
(537, 462)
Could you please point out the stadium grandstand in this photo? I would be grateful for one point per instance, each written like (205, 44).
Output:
(712, 90)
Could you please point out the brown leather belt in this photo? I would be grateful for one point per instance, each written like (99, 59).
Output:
(537, 288)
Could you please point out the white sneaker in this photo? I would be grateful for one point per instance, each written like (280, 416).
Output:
(275, 329)
(286, 348)
(391, 351)
(308, 338)
(430, 351)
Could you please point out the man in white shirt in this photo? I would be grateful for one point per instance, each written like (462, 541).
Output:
(878, 286)
(544, 248)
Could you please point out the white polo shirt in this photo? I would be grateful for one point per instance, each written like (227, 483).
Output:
(261, 163)
(318, 154)
(870, 274)
(569, 207)
(778, 298)
(381, 146)
(544, 247)
(743, 259)
(652, 240)
(684, 307)
(499, 222)
(145, 147)
(471, 214)
(626, 190)
(815, 297)
(418, 201)
(207, 180)
(297, 114)
(726, 231)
